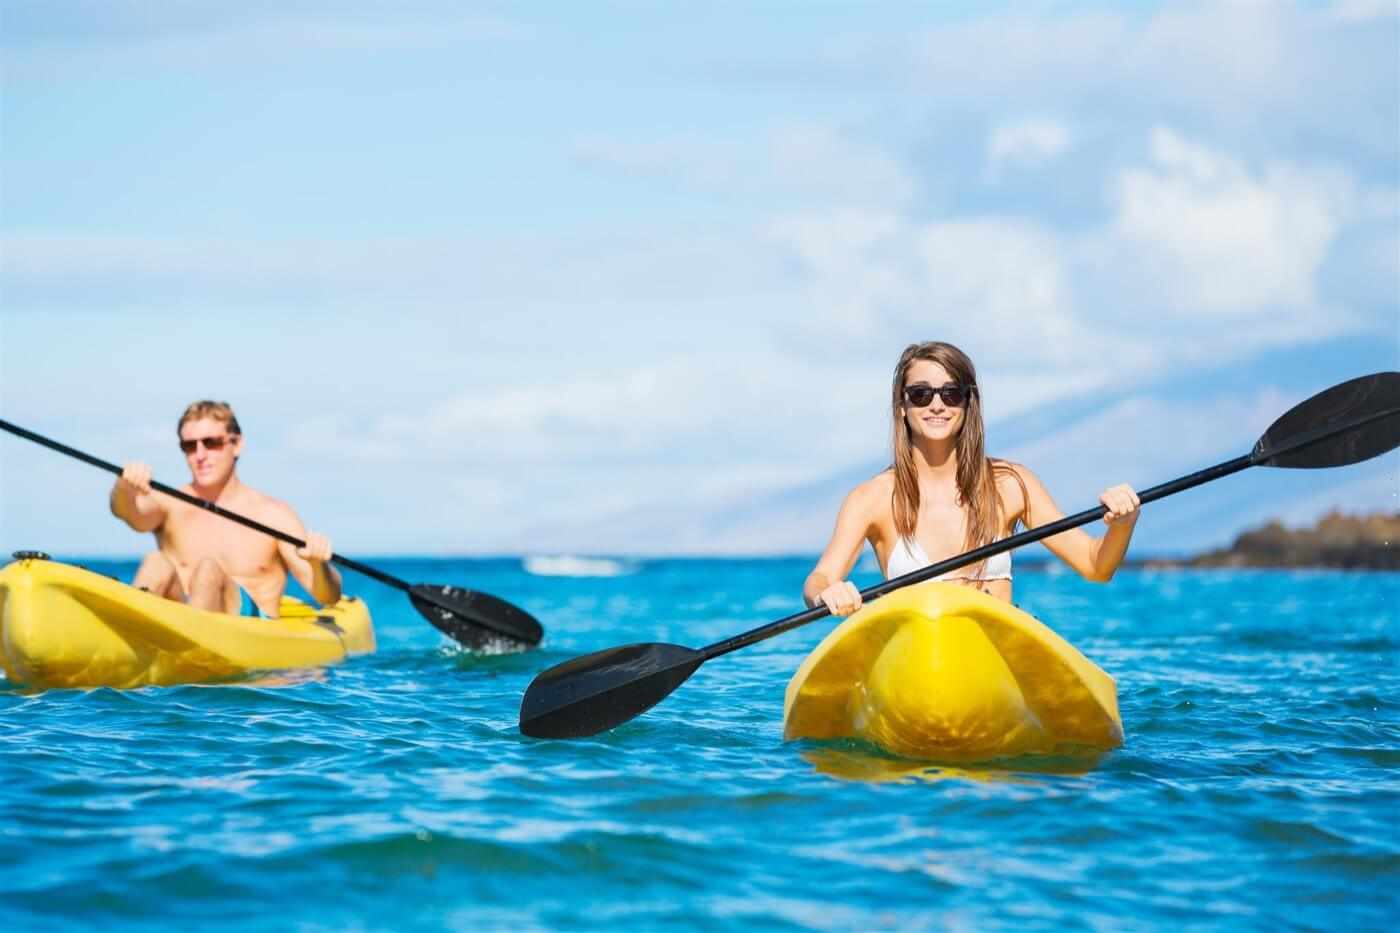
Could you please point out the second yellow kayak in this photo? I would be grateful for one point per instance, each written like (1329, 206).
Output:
(939, 671)
(63, 626)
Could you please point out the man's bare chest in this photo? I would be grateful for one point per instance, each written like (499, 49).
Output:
(191, 535)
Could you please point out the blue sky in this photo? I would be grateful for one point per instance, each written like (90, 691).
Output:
(631, 278)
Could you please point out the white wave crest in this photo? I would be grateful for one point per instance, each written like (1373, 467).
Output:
(571, 566)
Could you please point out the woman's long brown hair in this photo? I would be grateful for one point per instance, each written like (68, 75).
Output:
(976, 475)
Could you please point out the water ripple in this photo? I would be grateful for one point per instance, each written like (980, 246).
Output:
(1257, 785)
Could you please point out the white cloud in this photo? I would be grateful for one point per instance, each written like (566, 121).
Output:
(57, 255)
(1173, 435)
(674, 371)
(206, 32)
(1257, 72)
(142, 272)
(549, 416)
(817, 160)
(1363, 11)
(1194, 233)
(1002, 273)
(869, 274)
(851, 268)
(1224, 239)
(1382, 258)
(1381, 204)
(986, 56)
(1026, 143)
(662, 413)
(807, 160)
(999, 287)
(690, 160)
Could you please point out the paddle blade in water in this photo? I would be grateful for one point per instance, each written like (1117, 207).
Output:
(1348, 423)
(604, 689)
(478, 620)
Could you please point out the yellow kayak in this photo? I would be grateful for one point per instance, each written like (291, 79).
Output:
(63, 626)
(943, 672)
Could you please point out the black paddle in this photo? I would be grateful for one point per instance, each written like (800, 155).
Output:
(476, 620)
(1347, 423)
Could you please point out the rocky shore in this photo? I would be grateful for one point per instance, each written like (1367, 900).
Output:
(1362, 542)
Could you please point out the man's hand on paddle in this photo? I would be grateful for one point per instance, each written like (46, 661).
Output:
(318, 548)
(132, 500)
(136, 478)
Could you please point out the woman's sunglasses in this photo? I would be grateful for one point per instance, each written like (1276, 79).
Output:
(954, 395)
(210, 443)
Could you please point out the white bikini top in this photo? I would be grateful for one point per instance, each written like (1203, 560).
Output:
(908, 556)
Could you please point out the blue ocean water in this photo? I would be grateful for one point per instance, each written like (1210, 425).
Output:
(1258, 786)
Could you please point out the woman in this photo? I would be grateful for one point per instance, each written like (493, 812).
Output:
(943, 496)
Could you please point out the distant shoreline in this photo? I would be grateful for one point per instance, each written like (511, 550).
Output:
(1337, 541)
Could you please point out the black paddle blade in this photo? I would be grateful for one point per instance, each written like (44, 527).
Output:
(1348, 423)
(477, 620)
(604, 689)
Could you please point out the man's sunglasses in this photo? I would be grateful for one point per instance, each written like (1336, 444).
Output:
(954, 395)
(210, 443)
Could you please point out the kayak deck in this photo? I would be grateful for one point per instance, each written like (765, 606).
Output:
(943, 672)
(63, 626)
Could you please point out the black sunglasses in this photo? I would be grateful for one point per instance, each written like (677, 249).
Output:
(210, 443)
(954, 395)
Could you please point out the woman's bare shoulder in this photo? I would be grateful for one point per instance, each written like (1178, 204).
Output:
(880, 485)
(1009, 471)
(1011, 479)
(874, 493)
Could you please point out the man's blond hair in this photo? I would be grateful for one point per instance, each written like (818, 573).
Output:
(219, 411)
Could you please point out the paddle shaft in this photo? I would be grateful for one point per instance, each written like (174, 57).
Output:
(1258, 456)
(203, 504)
(604, 689)
(975, 555)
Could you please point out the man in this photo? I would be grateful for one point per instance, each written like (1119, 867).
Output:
(204, 559)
